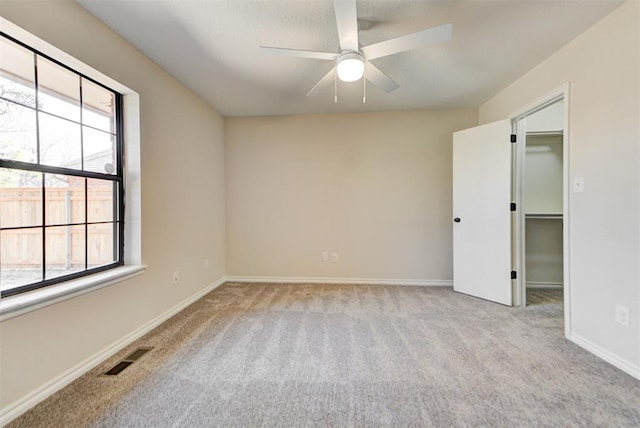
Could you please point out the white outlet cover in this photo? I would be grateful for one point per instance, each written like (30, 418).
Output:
(622, 315)
(325, 256)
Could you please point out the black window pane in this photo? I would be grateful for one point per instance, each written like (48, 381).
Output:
(100, 202)
(58, 90)
(18, 138)
(99, 151)
(20, 198)
(100, 244)
(59, 142)
(17, 73)
(65, 201)
(65, 250)
(98, 107)
(20, 257)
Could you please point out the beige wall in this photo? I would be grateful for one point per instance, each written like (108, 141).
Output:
(373, 187)
(602, 67)
(182, 208)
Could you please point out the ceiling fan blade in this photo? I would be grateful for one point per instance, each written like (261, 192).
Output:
(379, 79)
(329, 77)
(441, 33)
(299, 53)
(347, 20)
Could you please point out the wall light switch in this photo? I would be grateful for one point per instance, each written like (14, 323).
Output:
(578, 184)
(334, 257)
(325, 256)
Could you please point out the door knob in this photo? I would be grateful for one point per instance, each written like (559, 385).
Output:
(457, 219)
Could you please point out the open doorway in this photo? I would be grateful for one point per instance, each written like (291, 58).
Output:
(541, 192)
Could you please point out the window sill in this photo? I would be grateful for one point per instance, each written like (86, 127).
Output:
(13, 306)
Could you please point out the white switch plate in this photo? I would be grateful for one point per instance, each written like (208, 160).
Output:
(578, 184)
(176, 277)
(334, 257)
(206, 263)
(325, 256)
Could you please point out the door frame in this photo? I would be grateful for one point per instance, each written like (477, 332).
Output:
(518, 122)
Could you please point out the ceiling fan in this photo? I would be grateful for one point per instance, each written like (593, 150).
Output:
(353, 61)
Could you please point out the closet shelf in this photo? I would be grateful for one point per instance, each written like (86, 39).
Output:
(547, 133)
(549, 216)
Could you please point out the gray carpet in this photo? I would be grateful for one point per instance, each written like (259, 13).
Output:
(545, 296)
(351, 355)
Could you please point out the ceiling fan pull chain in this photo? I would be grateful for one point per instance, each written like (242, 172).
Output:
(335, 87)
(364, 86)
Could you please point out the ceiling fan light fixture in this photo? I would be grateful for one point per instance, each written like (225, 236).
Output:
(350, 66)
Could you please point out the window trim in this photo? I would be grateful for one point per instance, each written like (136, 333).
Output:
(130, 129)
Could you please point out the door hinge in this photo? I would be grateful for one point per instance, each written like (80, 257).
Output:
(513, 138)
(513, 206)
(514, 275)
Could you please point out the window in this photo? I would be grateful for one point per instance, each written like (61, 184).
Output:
(61, 172)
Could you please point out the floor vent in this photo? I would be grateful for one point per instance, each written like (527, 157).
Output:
(126, 362)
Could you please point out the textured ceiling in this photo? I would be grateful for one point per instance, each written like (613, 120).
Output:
(212, 48)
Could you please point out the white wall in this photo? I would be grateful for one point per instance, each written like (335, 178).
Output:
(602, 67)
(182, 208)
(373, 187)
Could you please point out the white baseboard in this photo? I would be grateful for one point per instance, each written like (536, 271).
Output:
(17, 408)
(314, 280)
(598, 351)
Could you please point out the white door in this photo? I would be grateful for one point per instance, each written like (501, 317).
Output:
(481, 211)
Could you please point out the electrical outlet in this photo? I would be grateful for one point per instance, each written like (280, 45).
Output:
(622, 315)
(206, 263)
(334, 257)
(176, 277)
(325, 256)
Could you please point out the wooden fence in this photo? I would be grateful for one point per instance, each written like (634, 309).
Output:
(65, 245)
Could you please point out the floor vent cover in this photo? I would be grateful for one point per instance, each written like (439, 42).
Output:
(126, 362)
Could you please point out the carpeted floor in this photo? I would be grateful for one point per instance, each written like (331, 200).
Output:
(351, 355)
(546, 296)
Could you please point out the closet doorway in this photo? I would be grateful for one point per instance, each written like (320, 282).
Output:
(541, 220)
